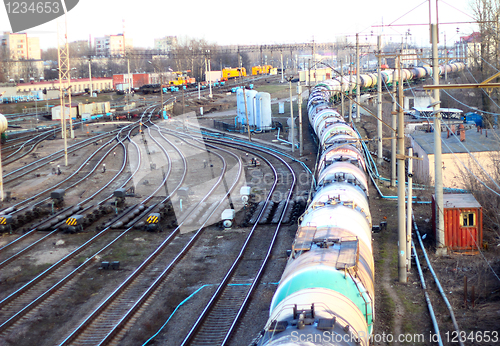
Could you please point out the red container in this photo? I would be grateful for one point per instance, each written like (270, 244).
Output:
(140, 79)
(463, 222)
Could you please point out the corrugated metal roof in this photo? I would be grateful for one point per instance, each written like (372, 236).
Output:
(474, 141)
(460, 200)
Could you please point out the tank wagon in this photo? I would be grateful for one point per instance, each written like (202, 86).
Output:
(326, 293)
(367, 81)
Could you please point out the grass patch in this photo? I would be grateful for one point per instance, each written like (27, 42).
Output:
(35, 270)
(276, 89)
(387, 304)
(124, 252)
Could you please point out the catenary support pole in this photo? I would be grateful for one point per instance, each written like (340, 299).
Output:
(246, 114)
(409, 209)
(358, 82)
(379, 102)
(350, 89)
(342, 103)
(292, 122)
(438, 168)
(393, 125)
(299, 103)
(401, 183)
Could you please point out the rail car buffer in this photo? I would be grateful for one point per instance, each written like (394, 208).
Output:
(153, 222)
(75, 223)
(6, 223)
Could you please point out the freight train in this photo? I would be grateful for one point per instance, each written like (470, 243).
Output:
(368, 81)
(326, 294)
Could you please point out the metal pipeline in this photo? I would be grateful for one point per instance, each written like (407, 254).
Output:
(450, 309)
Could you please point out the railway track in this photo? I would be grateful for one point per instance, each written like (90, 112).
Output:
(105, 322)
(23, 300)
(222, 313)
(45, 295)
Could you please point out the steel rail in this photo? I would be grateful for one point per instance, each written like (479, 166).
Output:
(197, 327)
(81, 328)
(56, 286)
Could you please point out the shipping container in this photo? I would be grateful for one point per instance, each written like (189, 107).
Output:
(463, 222)
(57, 113)
(93, 108)
(122, 86)
(213, 76)
(136, 80)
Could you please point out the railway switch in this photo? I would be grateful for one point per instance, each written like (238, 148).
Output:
(245, 194)
(119, 195)
(57, 197)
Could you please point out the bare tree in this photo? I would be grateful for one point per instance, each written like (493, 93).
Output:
(484, 186)
(486, 13)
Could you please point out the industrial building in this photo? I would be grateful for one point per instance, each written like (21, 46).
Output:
(456, 154)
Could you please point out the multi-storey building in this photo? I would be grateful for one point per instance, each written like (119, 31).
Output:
(21, 56)
(80, 48)
(469, 49)
(166, 43)
(112, 45)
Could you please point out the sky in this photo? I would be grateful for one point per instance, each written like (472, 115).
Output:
(255, 22)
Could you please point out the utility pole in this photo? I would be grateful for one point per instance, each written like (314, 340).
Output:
(128, 94)
(210, 75)
(438, 168)
(342, 105)
(350, 89)
(64, 80)
(299, 103)
(292, 125)
(90, 77)
(409, 209)
(282, 80)
(358, 81)
(401, 183)
(446, 57)
(379, 102)
(246, 114)
(394, 126)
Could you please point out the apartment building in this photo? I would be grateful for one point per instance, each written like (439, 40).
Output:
(111, 45)
(166, 43)
(21, 57)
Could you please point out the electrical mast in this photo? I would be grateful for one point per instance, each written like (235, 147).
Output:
(64, 79)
